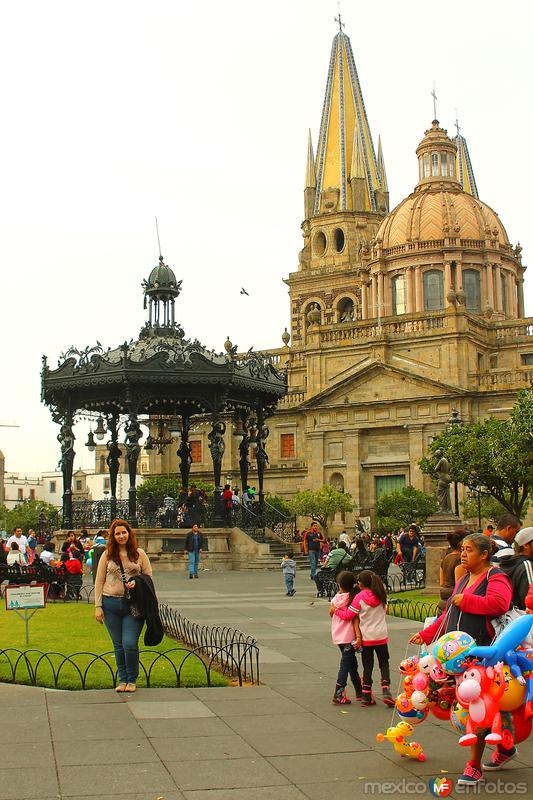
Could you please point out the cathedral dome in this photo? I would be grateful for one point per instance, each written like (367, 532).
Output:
(439, 208)
(161, 277)
(436, 213)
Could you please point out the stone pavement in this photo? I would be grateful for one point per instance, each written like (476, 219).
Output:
(281, 741)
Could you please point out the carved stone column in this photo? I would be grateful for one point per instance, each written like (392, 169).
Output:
(133, 450)
(498, 287)
(364, 300)
(66, 440)
(490, 285)
(381, 295)
(374, 289)
(409, 289)
(520, 292)
(419, 291)
(447, 279)
(113, 461)
(184, 453)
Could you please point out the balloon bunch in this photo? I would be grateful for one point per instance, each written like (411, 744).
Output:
(476, 688)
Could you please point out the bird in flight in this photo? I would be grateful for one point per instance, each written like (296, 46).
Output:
(243, 291)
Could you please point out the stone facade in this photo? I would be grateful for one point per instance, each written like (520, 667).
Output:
(395, 319)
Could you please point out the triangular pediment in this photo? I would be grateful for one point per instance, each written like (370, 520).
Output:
(376, 382)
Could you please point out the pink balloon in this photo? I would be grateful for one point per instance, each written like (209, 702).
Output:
(420, 682)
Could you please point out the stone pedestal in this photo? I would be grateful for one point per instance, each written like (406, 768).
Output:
(434, 533)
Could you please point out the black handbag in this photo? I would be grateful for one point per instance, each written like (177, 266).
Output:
(134, 611)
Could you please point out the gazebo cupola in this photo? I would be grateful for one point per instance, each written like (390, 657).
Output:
(160, 292)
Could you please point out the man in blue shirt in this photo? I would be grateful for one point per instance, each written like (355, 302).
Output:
(194, 544)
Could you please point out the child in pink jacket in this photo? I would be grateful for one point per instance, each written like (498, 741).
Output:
(342, 634)
(367, 611)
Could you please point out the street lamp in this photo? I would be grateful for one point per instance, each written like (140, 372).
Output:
(453, 422)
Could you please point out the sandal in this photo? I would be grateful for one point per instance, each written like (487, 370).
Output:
(130, 687)
(121, 687)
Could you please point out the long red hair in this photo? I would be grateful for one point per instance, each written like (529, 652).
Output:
(112, 548)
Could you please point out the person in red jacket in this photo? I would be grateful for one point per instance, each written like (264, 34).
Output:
(478, 597)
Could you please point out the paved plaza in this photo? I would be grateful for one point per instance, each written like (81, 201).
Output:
(283, 740)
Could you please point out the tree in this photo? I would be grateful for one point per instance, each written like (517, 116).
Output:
(488, 508)
(26, 515)
(168, 486)
(496, 455)
(399, 509)
(321, 504)
(279, 503)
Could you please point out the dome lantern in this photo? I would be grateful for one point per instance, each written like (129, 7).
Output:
(437, 155)
(160, 292)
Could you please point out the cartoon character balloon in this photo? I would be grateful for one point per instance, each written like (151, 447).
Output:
(451, 651)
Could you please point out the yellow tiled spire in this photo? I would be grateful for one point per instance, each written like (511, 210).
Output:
(464, 170)
(310, 174)
(343, 120)
(381, 167)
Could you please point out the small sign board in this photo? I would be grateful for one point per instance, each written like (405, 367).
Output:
(19, 598)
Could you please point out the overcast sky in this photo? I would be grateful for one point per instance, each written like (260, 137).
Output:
(117, 111)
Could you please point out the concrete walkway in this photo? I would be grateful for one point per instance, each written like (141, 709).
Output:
(282, 741)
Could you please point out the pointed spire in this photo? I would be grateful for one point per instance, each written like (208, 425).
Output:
(464, 170)
(381, 168)
(310, 174)
(344, 116)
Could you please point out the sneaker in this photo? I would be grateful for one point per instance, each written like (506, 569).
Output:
(196, 576)
(367, 700)
(499, 758)
(190, 577)
(471, 776)
(388, 699)
(293, 592)
(340, 699)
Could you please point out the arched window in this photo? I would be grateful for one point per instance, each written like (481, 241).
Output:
(433, 290)
(472, 289)
(435, 164)
(399, 304)
(426, 165)
(102, 464)
(504, 292)
(444, 164)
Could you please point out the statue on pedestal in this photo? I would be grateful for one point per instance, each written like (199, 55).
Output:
(443, 483)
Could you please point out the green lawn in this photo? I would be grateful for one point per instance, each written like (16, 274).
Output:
(415, 595)
(68, 629)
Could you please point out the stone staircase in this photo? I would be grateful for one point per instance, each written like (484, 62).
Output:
(277, 550)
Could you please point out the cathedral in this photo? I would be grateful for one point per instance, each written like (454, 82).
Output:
(396, 317)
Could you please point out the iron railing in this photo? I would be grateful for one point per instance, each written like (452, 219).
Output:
(232, 651)
(37, 668)
(417, 610)
(282, 525)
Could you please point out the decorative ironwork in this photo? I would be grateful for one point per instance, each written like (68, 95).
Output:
(412, 609)
(82, 358)
(283, 526)
(184, 452)
(234, 651)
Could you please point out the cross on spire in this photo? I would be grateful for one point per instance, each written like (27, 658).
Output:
(434, 96)
(339, 19)
(457, 126)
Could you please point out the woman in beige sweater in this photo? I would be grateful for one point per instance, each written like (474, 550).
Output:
(111, 607)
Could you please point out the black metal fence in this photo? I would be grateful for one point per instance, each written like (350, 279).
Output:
(234, 652)
(417, 610)
(77, 671)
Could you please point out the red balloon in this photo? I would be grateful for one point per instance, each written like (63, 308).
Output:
(441, 713)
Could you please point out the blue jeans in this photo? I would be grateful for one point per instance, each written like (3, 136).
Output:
(124, 631)
(289, 581)
(194, 560)
(314, 558)
(348, 666)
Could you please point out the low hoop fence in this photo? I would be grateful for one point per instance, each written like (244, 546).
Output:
(175, 667)
(417, 610)
(234, 652)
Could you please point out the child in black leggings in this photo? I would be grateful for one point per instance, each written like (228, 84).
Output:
(368, 612)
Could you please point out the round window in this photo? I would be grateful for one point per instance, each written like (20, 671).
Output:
(320, 243)
(339, 239)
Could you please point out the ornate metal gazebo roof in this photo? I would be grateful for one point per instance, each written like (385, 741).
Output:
(160, 373)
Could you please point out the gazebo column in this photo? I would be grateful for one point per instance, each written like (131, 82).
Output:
(133, 435)
(66, 440)
(113, 461)
(244, 451)
(184, 452)
(217, 447)
(261, 456)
